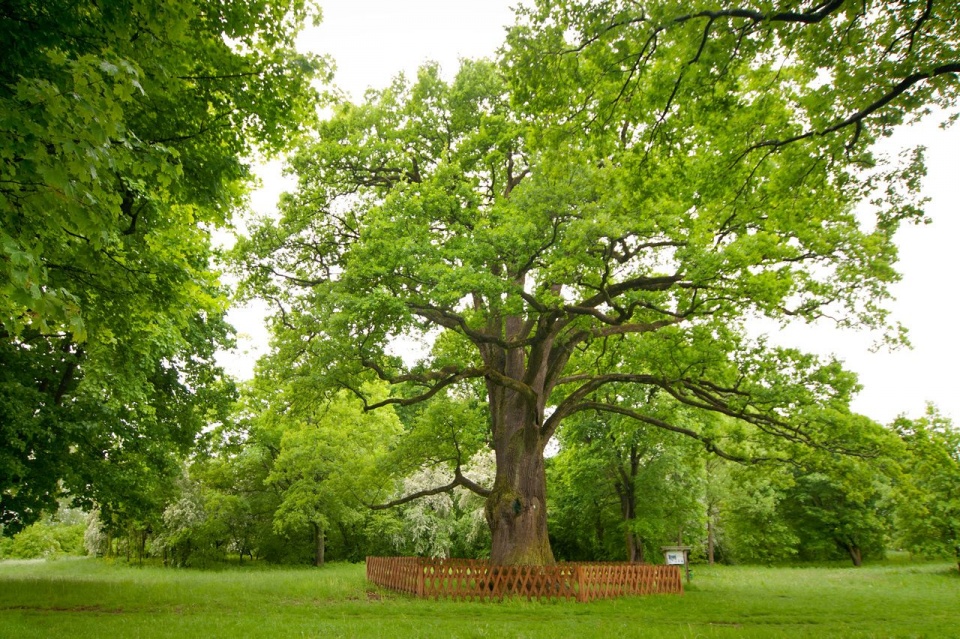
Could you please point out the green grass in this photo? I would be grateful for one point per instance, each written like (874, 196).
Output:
(91, 598)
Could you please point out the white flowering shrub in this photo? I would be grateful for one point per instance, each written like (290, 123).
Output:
(95, 538)
(447, 524)
(184, 522)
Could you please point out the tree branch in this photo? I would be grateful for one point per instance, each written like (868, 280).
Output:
(708, 443)
(659, 283)
(861, 115)
(458, 480)
(433, 390)
(451, 320)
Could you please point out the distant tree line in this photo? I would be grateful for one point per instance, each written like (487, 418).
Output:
(293, 487)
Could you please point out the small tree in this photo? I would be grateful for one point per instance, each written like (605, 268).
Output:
(324, 470)
(928, 499)
(845, 507)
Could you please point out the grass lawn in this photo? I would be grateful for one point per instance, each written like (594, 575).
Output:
(73, 598)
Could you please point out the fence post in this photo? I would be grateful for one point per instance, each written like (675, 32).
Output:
(581, 593)
(420, 569)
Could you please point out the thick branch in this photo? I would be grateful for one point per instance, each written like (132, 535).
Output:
(624, 329)
(592, 383)
(453, 321)
(808, 17)
(458, 480)
(442, 379)
(857, 118)
(708, 443)
(436, 388)
(818, 14)
(660, 283)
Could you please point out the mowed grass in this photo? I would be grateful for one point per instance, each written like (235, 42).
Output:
(91, 598)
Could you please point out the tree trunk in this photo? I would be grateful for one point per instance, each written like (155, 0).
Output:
(625, 487)
(634, 548)
(710, 539)
(628, 510)
(319, 545)
(855, 555)
(516, 510)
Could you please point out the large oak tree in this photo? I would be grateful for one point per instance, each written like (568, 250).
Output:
(604, 209)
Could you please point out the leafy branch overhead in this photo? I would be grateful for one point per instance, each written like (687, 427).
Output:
(126, 132)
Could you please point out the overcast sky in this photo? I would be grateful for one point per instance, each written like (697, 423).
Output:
(373, 40)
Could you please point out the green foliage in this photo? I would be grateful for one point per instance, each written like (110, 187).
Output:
(928, 499)
(597, 215)
(326, 454)
(841, 509)
(53, 536)
(126, 127)
(188, 529)
(827, 507)
(753, 528)
(619, 490)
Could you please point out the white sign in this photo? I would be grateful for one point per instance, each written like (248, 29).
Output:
(675, 558)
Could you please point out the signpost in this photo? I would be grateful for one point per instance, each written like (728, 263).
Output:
(677, 556)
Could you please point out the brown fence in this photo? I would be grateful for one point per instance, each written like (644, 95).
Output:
(471, 580)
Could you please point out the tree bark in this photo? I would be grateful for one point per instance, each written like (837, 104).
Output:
(516, 509)
(710, 539)
(855, 555)
(319, 545)
(626, 491)
(634, 548)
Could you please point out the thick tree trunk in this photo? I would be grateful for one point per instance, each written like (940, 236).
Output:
(517, 509)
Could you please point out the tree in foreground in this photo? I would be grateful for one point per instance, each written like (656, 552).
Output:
(125, 131)
(600, 213)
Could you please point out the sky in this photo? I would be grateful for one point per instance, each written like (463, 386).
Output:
(371, 41)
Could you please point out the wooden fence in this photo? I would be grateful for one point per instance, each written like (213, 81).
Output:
(471, 580)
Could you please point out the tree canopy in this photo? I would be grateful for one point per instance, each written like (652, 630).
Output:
(126, 129)
(602, 210)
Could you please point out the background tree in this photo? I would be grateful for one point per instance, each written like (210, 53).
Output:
(751, 515)
(843, 507)
(620, 490)
(325, 470)
(928, 497)
(604, 211)
(822, 506)
(126, 127)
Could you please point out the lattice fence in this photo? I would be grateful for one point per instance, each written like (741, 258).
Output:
(471, 580)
